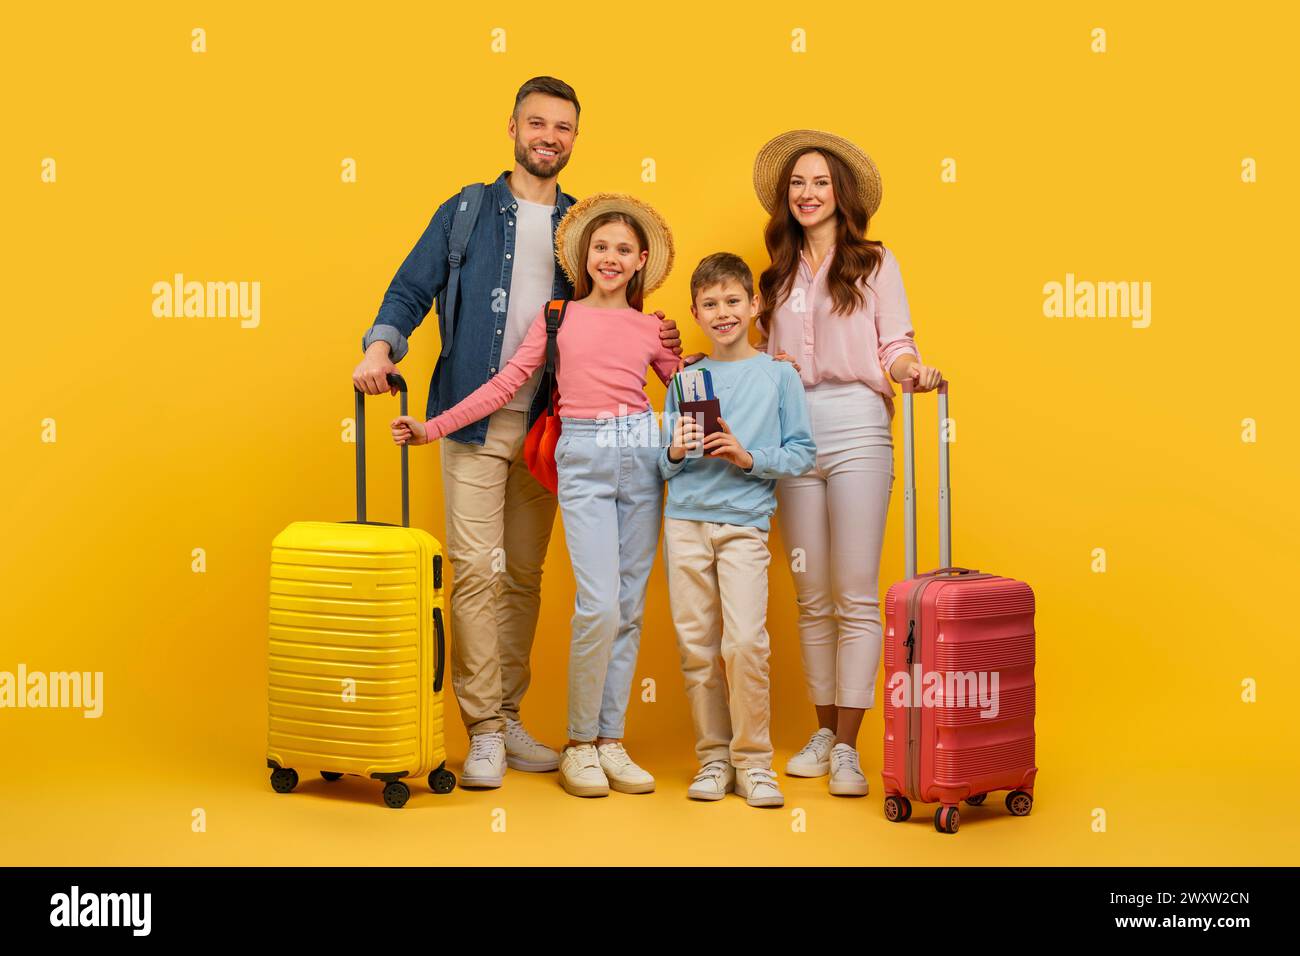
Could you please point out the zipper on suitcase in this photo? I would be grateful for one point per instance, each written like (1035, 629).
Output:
(914, 645)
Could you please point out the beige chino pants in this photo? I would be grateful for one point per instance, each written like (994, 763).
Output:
(499, 521)
(717, 588)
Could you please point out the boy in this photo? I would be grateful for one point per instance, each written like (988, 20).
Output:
(716, 521)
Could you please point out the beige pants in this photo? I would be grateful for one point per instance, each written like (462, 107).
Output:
(717, 587)
(499, 521)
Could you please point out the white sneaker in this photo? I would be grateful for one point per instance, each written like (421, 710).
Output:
(525, 753)
(715, 780)
(580, 772)
(847, 778)
(815, 758)
(624, 775)
(758, 786)
(486, 764)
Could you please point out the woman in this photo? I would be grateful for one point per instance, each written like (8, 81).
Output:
(832, 303)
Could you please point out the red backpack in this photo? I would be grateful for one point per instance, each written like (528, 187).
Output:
(539, 446)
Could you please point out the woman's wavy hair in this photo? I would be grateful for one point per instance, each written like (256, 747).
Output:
(855, 259)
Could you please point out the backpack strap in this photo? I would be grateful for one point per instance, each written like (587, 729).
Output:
(555, 310)
(462, 224)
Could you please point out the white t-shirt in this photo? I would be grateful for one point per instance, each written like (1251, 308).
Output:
(532, 278)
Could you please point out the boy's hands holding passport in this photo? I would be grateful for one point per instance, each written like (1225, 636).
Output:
(723, 444)
(700, 424)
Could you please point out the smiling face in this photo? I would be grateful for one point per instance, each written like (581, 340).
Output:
(811, 195)
(614, 256)
(724, 311)
(543, 129)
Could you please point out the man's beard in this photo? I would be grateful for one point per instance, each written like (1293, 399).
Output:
(525, 158)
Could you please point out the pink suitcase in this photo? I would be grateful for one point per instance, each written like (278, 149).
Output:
(959, 673)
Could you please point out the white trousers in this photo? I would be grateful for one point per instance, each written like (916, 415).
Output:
(833, 524)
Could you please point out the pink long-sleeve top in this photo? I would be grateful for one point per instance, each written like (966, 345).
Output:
(858, 346)
(601, 363)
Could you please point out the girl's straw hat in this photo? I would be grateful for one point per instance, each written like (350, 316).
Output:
(773, 156)
(568, 236)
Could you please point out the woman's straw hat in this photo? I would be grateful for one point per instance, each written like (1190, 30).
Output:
(773, 156)
(568, 236)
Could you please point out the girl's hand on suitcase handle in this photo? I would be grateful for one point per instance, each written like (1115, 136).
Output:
(409, 431)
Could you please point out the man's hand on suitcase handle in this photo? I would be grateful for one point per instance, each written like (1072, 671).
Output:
(410, 431)
(371, 374)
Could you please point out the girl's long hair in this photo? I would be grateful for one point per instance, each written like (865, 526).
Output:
(855, 258)
(582, 287)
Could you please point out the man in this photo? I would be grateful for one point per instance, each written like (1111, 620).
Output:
(499, 518)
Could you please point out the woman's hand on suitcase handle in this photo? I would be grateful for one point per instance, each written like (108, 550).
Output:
(925, 378)
(409, 431)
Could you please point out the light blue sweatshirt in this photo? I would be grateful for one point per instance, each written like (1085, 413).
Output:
(762, 402)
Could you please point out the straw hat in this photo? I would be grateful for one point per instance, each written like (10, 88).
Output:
(568, 236)
(772, 158)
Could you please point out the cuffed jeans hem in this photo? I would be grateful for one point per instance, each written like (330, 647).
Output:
(612, 734)
(859, 700)
(581, 738)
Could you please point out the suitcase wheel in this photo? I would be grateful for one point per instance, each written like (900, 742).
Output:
(442, 781)
(330, 775)
(396, 794)
(1020, 803)
(947, 819)
(976, 800)
(284, 779)
(897, 809)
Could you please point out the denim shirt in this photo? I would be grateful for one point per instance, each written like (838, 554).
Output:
(479, 330)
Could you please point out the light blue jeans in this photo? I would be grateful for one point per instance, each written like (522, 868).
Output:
(611, 499)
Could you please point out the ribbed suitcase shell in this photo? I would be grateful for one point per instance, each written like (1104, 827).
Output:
(354, 602)
(964, 625)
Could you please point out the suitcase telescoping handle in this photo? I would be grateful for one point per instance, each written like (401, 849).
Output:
(360, 400)
(909, 483)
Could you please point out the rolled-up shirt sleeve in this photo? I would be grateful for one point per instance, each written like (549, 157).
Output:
(893, 318)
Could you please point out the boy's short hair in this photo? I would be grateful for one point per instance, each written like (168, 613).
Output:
(719, 267)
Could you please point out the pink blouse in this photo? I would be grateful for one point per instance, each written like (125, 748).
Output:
(601, 363)
(858, 346)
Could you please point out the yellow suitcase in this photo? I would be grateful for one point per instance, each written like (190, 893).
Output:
(358, 648)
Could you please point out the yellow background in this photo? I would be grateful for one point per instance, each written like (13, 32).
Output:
(1073, 434)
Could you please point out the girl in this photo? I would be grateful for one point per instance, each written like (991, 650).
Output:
(833, 305)
(616, 250)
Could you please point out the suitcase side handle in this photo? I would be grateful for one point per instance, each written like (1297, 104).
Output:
(909, 483)
(359, 400)
(440, 639)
